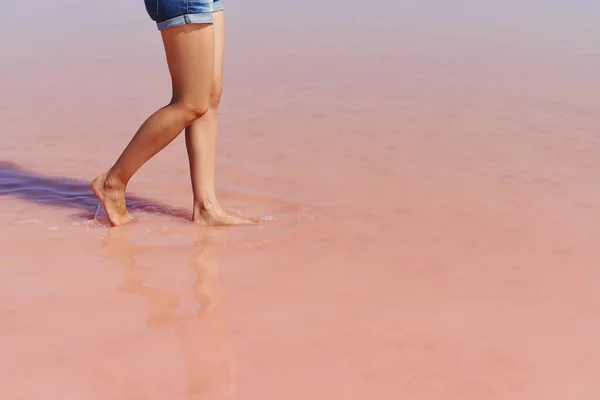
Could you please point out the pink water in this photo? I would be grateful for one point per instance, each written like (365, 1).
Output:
(427, 177)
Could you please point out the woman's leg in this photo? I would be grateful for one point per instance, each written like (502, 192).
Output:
(190, 54)
(201, 142)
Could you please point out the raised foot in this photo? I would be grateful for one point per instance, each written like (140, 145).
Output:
(112, 198)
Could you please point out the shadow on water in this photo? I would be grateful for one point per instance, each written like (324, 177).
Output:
(69, 193)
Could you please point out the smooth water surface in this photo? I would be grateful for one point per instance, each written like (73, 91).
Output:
(427, 178)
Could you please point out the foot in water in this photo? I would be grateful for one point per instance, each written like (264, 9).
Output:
(112, 198)
(213, 214)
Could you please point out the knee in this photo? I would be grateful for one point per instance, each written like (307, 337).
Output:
(193, 110)
(215, 96)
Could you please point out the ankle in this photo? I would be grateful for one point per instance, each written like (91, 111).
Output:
(206, 203)
(114, 181)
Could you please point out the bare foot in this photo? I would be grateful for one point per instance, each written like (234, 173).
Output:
(112, 198)
(215, 215)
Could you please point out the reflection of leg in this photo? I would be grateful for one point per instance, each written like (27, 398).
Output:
(116, 246)
(206, 288)
(161, 304)
(190, 57)
(134, 279)
(203, 338)
(201, 142)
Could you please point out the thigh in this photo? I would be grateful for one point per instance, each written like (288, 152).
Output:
(219, 28)
(190, 51)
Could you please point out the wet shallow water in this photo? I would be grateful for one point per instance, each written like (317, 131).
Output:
(426, 179)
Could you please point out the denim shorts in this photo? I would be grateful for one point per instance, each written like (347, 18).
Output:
(170, 13)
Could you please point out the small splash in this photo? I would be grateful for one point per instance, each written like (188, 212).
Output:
(93, 223)
(99, 209)
(100, 218)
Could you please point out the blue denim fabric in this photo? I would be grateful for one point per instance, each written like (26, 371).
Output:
(170, 13)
